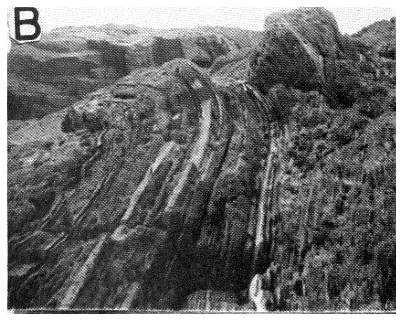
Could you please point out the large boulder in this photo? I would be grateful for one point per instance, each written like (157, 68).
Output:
(299, 49)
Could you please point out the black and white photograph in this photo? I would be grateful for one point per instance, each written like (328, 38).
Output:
(200, 160)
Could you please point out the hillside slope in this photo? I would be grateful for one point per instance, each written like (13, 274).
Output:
(265, 183)
(67, 63)
(381, 36)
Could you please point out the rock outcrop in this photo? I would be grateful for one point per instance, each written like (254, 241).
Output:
(169, 125)
(324, 165)
(299, 48)
(303, 48)
(181, 188)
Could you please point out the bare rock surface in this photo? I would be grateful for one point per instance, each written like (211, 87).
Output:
(227, 189)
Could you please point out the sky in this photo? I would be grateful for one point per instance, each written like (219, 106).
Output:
(350, 20)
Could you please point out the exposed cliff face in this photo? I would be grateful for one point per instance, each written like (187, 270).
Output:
(331, 183)
(70, 62)
(177, 189)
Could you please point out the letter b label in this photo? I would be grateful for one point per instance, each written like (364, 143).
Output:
(26, 24)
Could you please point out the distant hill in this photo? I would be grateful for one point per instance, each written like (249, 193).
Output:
(73, 61)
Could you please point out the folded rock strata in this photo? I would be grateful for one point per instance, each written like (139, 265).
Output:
(175, 188)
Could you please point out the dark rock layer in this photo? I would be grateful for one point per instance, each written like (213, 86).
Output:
(174, 189)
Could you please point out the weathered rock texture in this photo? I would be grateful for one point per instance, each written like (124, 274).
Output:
(331, 184)
(174, 189)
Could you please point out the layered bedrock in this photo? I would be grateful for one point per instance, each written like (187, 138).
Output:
(265, 182)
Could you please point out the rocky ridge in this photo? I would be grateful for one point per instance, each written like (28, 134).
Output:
(180, 189)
